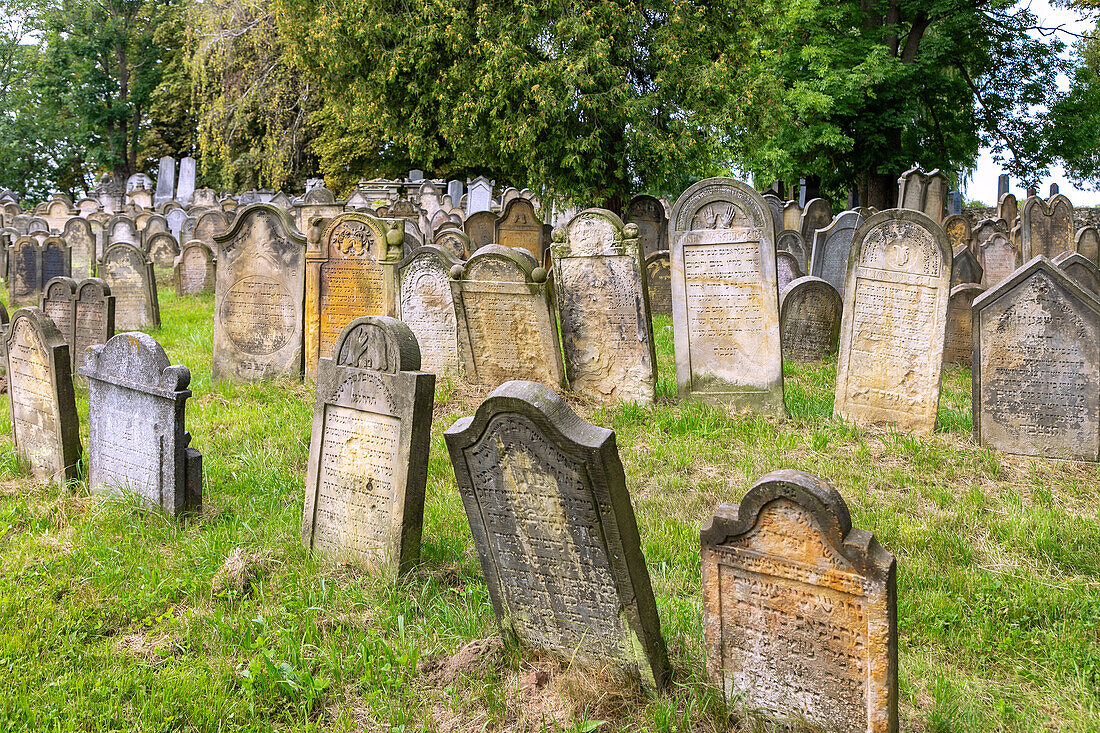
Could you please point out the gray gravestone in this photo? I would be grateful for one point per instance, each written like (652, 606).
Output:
(480, 195)
(122, 228)
(1087, 243)
(454, 190)
(957, 342)
(786, 269)
(368, 453)
(137, 440)
(1036, 370)
(800, 609)
(816, 215)
(775, 204)
(95, 316)
(792, 242)
(603, 305)
(425, 304)
(57, 259)
(648, 213)
(176, 218)
(809, 319)
(45, 426)
(166, 181)
(162, 249)
(481, 229)
(1002, 185)
(659, 280)
(59, 303)
(546, 497)
(954, 203)
(194, 269)
(24, 271)
(78, 235)
(998, 256)
(129, 273)
(725, 299)
(1046, 227)
(965, 267)
(924, 192)
(1080, 270)
(1008, 209)
(831, 246)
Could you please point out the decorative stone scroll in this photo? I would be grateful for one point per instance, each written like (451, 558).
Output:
(924, 192)
(368, 453)
(546, 497)
(648, 213)
(831, 246)
(892, 332)
(659, 280)
(958, 343)
(349, 273)
(519, 227)
(506, 327)
(800, 608)
(965, 267)
(129, 273)
(194, 270)
(258, 295)
(94, 322)
(1046, 227)
(45, 426)
(78, 235)
(1036, 367)
(425, 304)
(809, 319)
(725, 301)
(603, 304)
(1087, 243)
(1080, 270)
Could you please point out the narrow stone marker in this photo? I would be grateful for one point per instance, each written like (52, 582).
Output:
(800, 608)
(368, 452)
(59, 303)
(426, 305)
(958, 343)
(659, 281)
(137, 439)
(129, 272)
(45, 426)
(809, 319)
(546, 497)
(95, 316)
(194, 270)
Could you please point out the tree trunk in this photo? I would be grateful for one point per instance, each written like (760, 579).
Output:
(878, 190)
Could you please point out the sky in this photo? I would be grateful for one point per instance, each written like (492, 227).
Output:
(983, 185)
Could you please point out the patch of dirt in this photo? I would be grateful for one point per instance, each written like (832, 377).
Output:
(477, 655)
(237, 574)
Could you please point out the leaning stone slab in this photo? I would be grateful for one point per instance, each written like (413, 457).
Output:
(786, 269)
(1081, 270)
(546, 497)
(95, 316)
(45, 426)
(965, 267)
(800, 609)
(129, 273)
(659, 281)
(137, 440)
(368, 453)
(958, 342)
(831, 246)
(1087, 243)
(1036, 370)
(809, 319)
(426, 305)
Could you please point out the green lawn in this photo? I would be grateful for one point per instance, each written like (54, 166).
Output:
(112, 618)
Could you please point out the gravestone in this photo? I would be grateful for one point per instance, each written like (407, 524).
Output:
(1008, 209)
(1087, 243)
(194, 270)
(166, 180)
(425, 304)
(24, 271)
(163, 249)
(659, 280)
(349, 273)
(94, 316)
(454, 190)
(792, 216)
(1002, 185)
(809, 319)
(137, 440)
(368, 452)
(154, 224)
(453, 240)
(185, 191)
(1053, 189)
(481, 229)
(924, 192)
(129, 274)
(519, 227)
(725, 299)
(78, 236)
(957, 228)
(816, 215)
(1080, 270)
(1046, 227)
(59, 303)
(122, 228)
(775, 204)
(479, 197)
(506, 327)
(957, 343)
(208, 225)
(603, 305)
(965, 267)
(792, 242)
(176, 218)
(1036, 374)
(800, 608)
(319, 195)
(258, 294)
(831, 246)
(648, 214)
(892, 331)
(786, 269)
(45, 426)
(56, 259)
(999, 258)
(546, 498)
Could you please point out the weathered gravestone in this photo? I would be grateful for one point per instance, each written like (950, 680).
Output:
(350, 268)
(425, 304)
(519, 227)
(45, 426)
(1036, 371)
(546, 497)
(137, 439)
(129, 273)
(1046, 227)
(479, 195)
(831, 246)
(208, 226)
(658, 273)
(163, 249)
(78, 236)
(815, 215)
(59, 303)
(800, 608)
(603, 304)
(999, 258)
(56, 259)
(1087, 243)
(792, 242)
(194, 269)
(1080, 270)
(924, 192)
(481, 229)
(891, 335)
(94, 322)
(185, 191)
(957, 228)
(368, 453)
(725, 300)
(121, 228)
(776, 205)
(24, 271)
(786, 269)
(965, 267)
(792, 216)
(648, 213)
(258, 294)
(506, 327)
(957, 342)
(809, 319)
(454, 240)
(166, 180)
(1008, 209)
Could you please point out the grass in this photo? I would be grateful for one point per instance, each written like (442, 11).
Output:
(113, 618)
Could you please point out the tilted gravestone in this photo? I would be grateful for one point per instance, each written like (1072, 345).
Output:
(258, 294)
(425, 304)
(59, 303)
(194, 270)
(895, 311)
(815, 215)
(481, 229)
(166, 180)
(725, 300)
(965, 267)
(45, 426)
(809, 319)
(648, 214)
(185, 191)
(957, 228)
(957, 342)
(792, 242)
(94, 316)
(78, 235)
(1046, 227)
(659, 280)
(129, 273)
(831, 246)
(786, 269)
(137, 439)
(163, 249)
(800, 608)
(519, 227)
(546, 497)
(924, 192)
(1036, 370)
(368, 453)
(775, 204)
(1080, 270)
(1087, 244)
(506, 327)
(350, 272)
(603, 305)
